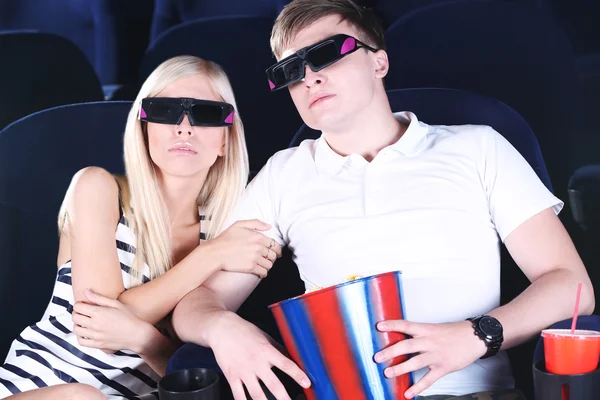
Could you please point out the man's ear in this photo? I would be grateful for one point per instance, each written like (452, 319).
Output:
(382, 64)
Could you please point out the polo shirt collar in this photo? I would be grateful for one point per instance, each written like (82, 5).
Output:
(330, 163)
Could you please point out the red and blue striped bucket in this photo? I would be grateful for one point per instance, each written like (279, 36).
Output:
(331, 334)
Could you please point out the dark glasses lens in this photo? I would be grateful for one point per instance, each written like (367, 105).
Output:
(164, 112)
(323, 55)
(288, 71)
(207, 114)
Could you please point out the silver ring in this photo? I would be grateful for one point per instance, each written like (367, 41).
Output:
(272, 243)
(267, 255)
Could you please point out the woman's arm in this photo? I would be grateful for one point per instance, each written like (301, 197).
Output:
(153, 300)
(108, 325)
(93, 215)
(240, 248)
(92, 218)
(92, 210)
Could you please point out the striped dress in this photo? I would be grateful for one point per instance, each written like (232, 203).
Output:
(47, 353)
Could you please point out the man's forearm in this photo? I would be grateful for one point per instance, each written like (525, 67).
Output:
(157, 352)
(549, 299)
(195, 314)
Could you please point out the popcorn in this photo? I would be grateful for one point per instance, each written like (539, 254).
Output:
(349, 279)
(353, 277)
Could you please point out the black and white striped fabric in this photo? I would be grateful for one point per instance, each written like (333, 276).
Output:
(47, 353)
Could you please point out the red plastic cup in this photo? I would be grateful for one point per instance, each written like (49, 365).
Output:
(571, 353)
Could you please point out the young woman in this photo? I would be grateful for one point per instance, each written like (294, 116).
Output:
(132, 247)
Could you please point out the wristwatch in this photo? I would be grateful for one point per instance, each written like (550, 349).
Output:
(488, 329)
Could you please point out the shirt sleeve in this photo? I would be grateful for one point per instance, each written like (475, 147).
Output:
(514, 191)
(258, 202)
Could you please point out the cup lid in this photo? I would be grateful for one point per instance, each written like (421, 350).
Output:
(562, 333)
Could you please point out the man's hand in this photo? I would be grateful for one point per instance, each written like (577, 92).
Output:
(246, 355)
(444, 348)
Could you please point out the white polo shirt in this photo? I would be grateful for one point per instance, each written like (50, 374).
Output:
(434, 205)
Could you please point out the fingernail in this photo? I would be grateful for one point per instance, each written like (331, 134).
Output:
(378, 357)
(408, 394)
(388, 373)
(305, 383)
(382, 325)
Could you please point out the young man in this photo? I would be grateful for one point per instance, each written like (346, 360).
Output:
(380, 192)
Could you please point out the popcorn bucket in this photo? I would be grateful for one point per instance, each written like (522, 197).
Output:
(331, 334)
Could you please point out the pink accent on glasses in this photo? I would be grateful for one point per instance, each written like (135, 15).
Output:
(271, 85)
(143, 113)
(348, 46)
(229, 119)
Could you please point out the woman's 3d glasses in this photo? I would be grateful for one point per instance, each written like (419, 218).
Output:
(170, 110)
(318, 56)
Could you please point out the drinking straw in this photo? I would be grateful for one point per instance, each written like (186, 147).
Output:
(576, 312)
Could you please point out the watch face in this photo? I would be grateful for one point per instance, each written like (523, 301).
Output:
(490, 327)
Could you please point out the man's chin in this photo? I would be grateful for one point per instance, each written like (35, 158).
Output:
(324, 123)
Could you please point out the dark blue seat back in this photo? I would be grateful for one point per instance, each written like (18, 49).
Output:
(170, 13)
(579, 18)
(241, 46)
(70, 19)
(42, 71)
(112, 33)
(39, 155)
(121, 36)
(390, 10)
(501, 49)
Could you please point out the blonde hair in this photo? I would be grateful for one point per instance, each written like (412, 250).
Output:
(145, 209)
(299, 14)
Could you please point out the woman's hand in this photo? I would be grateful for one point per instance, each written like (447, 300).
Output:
(243, 248)
(106, 324)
